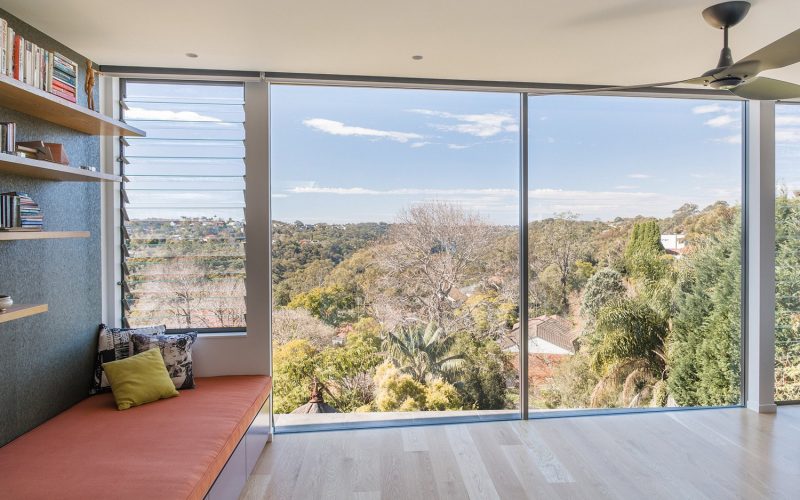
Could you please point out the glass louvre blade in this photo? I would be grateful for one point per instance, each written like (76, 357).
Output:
(183, 205)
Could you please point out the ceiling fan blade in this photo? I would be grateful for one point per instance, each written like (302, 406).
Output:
(780, 53)
(694, 81)
(767, 89)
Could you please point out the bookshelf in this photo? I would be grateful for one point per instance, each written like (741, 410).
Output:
(22, 311)
(12, 164)
(40, 104)
(41, 235)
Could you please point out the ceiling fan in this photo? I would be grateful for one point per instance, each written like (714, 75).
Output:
(740, 77)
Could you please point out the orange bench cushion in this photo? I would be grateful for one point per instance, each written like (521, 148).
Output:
(172, 448)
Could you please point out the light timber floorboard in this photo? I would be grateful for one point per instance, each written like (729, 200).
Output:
(703, 454)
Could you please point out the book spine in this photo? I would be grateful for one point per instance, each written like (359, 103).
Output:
(3, 46)
(10, 52)
(18, 57)
(64, 95)
(63, 77)
(58, 84)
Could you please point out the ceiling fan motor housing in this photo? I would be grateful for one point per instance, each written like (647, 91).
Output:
(726, 83)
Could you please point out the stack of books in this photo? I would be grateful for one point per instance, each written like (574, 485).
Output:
(25, 61)
(18, 212)
(63, 75)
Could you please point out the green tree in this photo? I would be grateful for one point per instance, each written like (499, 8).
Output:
(787, 294)
(482, 384)
(603, 287)
(424, 354)
(704, 346)
(293, 367)
(644, 252)
(332, 304)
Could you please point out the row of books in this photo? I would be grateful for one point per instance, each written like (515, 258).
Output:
(25, 61)
(19, 212)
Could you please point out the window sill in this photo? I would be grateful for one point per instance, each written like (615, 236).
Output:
(221, 335)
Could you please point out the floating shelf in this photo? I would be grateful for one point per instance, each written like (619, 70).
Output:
(13, 164)
(22, 311)
(41, 235)
(35, 102)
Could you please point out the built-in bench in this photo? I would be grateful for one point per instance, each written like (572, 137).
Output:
(203, 443)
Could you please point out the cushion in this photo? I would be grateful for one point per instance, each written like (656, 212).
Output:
(139, 379)
(176, 349)
(114, 344)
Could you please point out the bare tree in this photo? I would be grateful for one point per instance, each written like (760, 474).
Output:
(431, 251)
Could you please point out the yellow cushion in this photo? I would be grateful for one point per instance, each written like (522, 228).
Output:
(139, 379)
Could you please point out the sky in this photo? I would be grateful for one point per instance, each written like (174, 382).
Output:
(355, 155)
(342, 155)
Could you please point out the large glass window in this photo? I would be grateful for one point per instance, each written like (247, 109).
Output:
(787, 256)
(183, 206)
(395, 253)
(635, 252)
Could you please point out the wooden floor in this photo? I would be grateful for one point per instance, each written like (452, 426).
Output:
(714, 454)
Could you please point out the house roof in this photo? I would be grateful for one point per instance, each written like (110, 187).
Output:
(316, 404)
(552, 329)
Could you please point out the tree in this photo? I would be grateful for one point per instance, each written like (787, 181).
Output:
(627, 349)
(644, 252)
(293, 368)
(604, 286)
(291, 324)
(704, 346)
(431, 251)
(332, 304)
(423, 354)
(482, 385)
(557, 244)
(787, 310)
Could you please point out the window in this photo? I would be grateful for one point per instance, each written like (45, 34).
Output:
(395, 253)
(634, 252)
(183, 206)
(787, 256)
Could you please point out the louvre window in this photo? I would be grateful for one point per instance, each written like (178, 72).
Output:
(183, 206)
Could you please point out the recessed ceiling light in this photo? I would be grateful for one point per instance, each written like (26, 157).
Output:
(192, 55)
(416, 58)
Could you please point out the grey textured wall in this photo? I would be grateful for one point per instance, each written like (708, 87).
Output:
(46, 360)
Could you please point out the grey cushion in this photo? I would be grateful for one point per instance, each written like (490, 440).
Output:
(176, 349)
(114, 344)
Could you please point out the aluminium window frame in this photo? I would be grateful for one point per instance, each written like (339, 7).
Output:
(121, 165)
(524, 90)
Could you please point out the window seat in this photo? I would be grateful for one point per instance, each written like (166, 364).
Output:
(172, 448)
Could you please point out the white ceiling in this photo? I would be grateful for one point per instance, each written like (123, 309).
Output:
(620, 42)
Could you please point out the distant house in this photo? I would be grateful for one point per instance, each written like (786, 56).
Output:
(551, 341)
(546, 335)
(674, 244)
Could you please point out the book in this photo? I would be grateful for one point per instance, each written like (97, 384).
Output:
(3, 45)
(64, 95)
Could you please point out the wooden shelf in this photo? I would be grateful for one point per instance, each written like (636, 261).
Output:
(22, 311)
(41, 235)
(13, 164)
(35, 102)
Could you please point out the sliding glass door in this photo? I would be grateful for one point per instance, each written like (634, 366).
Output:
(635, 257)
(395, 262)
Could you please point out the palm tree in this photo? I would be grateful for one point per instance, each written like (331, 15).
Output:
(629, 349)
(423, 354)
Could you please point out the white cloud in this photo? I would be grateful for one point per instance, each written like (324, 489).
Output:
(314, 189)
(639, 176)
(280, 195)
(163, 114)
(478, 125)
(420, 144)
(721, 121)
(713, 108)
(625, 186)
(730, 139)
(783, 120)
(338, 128)
(787, 135)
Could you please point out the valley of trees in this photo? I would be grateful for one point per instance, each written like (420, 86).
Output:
(417, 314)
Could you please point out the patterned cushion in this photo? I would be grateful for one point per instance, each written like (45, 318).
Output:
(114, 344)
(176, 349)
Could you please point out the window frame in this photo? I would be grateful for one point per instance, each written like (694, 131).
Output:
(122, 214)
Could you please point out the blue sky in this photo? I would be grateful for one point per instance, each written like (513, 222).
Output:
(353, 154)
(359, 154)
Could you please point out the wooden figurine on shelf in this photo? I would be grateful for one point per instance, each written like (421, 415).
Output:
(89, 86)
